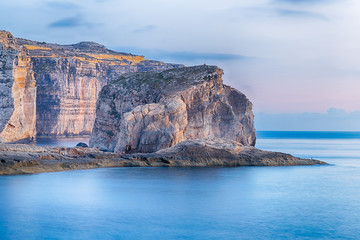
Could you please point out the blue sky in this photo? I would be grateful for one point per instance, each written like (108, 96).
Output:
(290, 57)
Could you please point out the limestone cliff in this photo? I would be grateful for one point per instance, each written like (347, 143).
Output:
(69, 78)
(62, 100)
(146, 112)
(17, 91)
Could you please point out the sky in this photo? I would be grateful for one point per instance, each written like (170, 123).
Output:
(294, 59)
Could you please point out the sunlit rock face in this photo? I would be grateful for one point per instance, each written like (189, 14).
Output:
(17, 91)
(146, 112)
(62, 100)
(69, 78)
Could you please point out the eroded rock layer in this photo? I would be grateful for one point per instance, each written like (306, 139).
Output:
(17, 91)
(146, 112)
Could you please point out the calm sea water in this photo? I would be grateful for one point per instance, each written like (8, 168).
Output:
(303, 202)
(64, 142)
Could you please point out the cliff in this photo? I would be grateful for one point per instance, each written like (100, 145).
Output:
(57, 85)
(69, 78)
(17, 91)
(146, 112)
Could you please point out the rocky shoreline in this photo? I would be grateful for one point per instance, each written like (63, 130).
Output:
(30, 159)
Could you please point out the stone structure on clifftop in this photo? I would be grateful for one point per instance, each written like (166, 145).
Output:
(68, 79)
(146, 112)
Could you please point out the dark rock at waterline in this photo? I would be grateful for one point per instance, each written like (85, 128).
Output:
(81, 144)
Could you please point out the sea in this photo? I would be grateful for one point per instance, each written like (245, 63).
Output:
(294, 202)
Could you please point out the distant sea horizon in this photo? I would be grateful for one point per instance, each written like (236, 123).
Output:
(261, 134)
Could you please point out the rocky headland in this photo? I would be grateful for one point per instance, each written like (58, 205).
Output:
(140, 113)
(146, 112)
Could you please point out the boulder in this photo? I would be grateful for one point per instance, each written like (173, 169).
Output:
(81, 144)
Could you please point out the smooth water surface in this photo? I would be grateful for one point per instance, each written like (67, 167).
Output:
(64, 142)
(303, 202)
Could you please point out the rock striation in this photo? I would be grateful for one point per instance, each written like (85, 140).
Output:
(17, 91)
(146, 112)
(62, 80)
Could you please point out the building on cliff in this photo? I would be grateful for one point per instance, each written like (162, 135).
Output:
(51, 90)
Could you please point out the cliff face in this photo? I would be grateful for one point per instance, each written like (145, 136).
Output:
(146, 112)
(69, 78)
(17, 91)
(62, 100)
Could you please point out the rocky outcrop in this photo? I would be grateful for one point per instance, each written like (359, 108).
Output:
(26, 159)
(209, 152)
(17, 91)
(146, 112)
(68, 81)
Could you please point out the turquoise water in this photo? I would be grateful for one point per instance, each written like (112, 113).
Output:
(304, 202)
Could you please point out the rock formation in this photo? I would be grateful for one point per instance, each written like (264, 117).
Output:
(146, 112)
(17, 91)
(68, 80)
(26, 159)
(208, 152)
